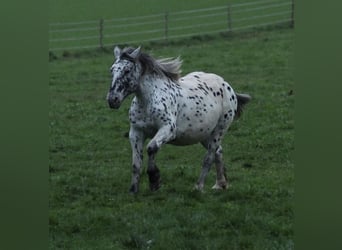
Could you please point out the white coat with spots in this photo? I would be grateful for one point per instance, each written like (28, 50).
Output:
(196, 108)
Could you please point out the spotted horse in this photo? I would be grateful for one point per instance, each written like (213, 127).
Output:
(196, 108)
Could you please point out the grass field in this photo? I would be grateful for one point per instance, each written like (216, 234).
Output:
(90, 161)
(85, 10)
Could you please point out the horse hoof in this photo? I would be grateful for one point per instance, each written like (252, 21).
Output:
(220, 186)
(154, 179)
(155, 186)
(133, 189)
(198, 188)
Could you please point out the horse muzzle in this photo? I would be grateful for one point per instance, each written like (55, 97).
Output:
(114, 102)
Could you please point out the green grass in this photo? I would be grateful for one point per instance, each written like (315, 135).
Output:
(90, 157)
(85, 10)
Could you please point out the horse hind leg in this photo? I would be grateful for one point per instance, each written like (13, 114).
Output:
(221, 179)
(207, 162)
(213, 145)
(211, 157)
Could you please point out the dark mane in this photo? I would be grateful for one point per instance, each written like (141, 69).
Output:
(168, 67)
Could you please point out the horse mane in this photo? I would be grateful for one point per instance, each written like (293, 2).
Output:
(169, 67)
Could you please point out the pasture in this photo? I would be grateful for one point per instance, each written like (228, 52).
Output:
(78, 11)
(90, 156)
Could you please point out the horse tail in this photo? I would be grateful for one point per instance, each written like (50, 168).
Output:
(242, 100)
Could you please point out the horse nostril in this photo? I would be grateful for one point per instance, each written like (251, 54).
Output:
(114, 102)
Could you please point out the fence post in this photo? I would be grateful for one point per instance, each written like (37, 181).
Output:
(292, 14)
(166, 26)
(229, 19)
(101, 33)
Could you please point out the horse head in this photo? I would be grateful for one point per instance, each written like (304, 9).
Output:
(126, 72)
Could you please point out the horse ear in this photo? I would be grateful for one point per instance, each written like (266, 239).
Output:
(117, 52)
(135, 53)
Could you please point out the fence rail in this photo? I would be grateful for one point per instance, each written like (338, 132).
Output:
(169, 25)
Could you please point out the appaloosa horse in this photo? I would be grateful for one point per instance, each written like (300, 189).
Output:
(198, 107)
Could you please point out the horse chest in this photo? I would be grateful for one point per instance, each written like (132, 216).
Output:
(149, 118)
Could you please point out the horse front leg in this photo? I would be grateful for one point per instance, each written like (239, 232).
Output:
(164, 135)
(153, 172)
(137, 139)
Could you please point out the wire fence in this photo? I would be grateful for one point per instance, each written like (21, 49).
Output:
(170, 25)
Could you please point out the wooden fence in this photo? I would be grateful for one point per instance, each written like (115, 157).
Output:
(170, 25)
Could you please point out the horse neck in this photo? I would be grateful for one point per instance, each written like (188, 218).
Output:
(149, 86)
